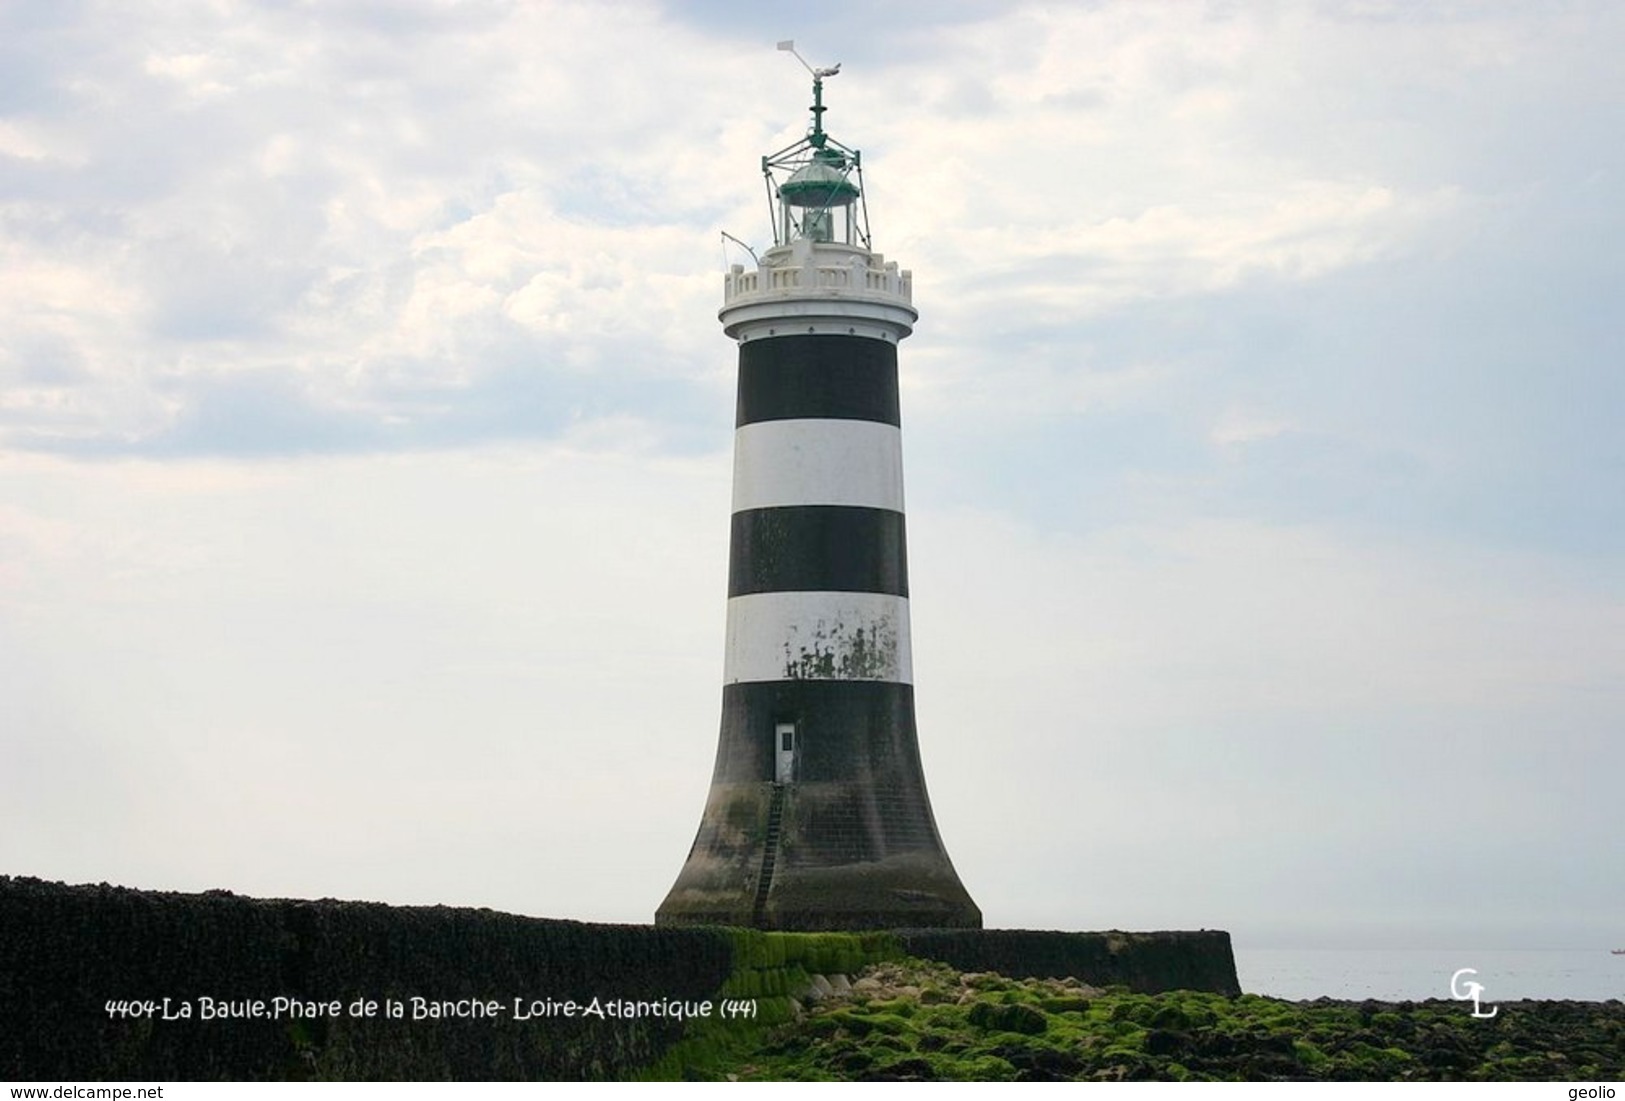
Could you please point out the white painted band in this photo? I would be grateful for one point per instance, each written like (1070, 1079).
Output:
(818, 462)
(818, 636)
(755, 319)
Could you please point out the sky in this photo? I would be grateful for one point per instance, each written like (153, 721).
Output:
(366, 426)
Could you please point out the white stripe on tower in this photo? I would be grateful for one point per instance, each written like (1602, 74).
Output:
(818, 462)
(818, 636)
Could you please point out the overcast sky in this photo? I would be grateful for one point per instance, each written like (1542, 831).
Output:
(365, 434)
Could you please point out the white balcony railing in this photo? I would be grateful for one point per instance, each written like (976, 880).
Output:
(821, 273)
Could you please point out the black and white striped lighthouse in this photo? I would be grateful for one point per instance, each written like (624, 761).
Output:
(818, 816)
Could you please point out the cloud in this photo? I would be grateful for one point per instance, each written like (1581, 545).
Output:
(381, 206)
(266, 195)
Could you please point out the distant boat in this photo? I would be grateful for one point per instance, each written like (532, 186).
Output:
(1617, 952)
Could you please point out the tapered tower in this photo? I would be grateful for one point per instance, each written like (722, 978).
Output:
(818, 816)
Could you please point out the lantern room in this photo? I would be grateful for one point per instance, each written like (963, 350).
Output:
(815, 186)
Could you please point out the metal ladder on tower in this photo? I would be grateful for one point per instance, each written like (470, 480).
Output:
(770, 855)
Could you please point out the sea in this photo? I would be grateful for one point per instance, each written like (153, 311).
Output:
(1387, 974)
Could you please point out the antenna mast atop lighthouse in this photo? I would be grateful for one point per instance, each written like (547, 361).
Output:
(817, 816)
(816, 188)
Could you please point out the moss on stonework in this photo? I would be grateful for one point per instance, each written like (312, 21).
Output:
(771, 972)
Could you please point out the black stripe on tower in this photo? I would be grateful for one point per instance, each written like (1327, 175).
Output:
(822, 376)
(818, 548)
(849, 730)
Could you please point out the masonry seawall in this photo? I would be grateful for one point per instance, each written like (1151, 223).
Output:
(68, 952)
(1146, 963)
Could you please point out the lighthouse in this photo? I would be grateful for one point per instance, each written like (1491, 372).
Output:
(817, 816)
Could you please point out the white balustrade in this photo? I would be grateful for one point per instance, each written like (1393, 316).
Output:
(836, 273)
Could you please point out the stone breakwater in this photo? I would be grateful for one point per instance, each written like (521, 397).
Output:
(103, 982)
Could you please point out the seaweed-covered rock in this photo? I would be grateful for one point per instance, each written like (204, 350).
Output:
(1040, 1030)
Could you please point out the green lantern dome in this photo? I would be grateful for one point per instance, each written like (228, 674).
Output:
(820, 183)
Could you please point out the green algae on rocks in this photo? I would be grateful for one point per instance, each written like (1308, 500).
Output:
(916, 1021)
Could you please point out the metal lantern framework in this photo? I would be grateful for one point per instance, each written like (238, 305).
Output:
(815, 185)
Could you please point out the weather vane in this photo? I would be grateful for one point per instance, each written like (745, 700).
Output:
(789, 44)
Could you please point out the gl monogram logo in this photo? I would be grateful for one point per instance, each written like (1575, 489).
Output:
(1470, 991)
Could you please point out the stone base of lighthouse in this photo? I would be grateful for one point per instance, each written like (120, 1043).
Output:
(849, 843)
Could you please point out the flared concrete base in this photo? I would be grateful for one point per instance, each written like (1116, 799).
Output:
(835, 864)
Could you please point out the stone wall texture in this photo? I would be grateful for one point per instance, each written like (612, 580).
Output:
(1146, 963)
(66, 952)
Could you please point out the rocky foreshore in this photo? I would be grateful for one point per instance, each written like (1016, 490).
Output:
(924, 1022)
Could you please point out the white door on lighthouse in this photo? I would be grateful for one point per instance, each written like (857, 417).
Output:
(784, 736)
